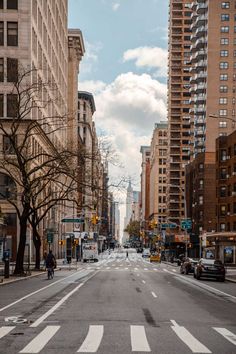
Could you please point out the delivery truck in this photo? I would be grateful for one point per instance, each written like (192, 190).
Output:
(90, 251)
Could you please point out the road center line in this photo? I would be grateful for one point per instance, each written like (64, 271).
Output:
(56, 306)
(37, 291)
(143, 281)
(153, 294)
(38, 343)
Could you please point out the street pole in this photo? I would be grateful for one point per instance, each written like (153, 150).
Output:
(186, 231)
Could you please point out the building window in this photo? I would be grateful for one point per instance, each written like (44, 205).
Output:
(224, 41)
(234, 29)
(12, 69)
(222, 191)
(201, 167)
(1, 69)
(223, 155)
(224, 53)
(11, 105)
(7, 145)
(1, 33)
(234, 208)
(224, 65)
(12, 4)
(223, 100)
(222, 226)
(1, 105)
(200, 199)
(222, 210)
(225, 5)
(224, 29)
(225, 17)
(1, 4)
(12, 34)
(223, 173)
(201, 183)
(223, 77)
(223, 112)
(223, 89)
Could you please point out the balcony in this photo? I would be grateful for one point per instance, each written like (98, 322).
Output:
(201, 31)
(201, 19)
(201, 8)
(174, 151)
(199, 122)
(199, 132)
(200, 87)
(201, 42)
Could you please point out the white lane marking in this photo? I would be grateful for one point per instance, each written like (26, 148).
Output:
(108, 268)
(153, 294)
(143, 281)
(98, 268)
(5, 330)
(154, 269)
(37, 291)
(138, 275)
(39, 342)
(126, 268)
(117, 268)
(145, 269)
(230, 336)
(139, 341)
(201, 285)
(192, 342)
(92, 340)
(174, 270)
(135, 268)
(56, 306)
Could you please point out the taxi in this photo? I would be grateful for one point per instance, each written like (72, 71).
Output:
(155, 257)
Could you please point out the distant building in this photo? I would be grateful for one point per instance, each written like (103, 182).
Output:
(158, 156)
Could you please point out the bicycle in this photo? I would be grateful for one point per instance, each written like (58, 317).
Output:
(50, 273)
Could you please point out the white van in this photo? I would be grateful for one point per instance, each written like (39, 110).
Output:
(146, 253)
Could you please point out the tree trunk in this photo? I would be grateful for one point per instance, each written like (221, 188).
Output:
(19, 268)
(37, 244)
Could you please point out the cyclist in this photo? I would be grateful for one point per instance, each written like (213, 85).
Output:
(50, 264)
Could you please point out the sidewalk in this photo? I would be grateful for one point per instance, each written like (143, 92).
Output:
(15, 278)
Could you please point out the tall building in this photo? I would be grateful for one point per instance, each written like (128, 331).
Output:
(213, 82)
(145, 185)
(213, 87)
(34, 38)
(158, 156)
(179, 147)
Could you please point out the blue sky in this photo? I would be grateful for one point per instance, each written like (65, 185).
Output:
(112, 27)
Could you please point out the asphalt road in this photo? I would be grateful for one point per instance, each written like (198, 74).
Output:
(118, 305)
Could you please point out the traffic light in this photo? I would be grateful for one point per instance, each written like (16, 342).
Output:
(76, 242)
(61, 242)
(95, 220)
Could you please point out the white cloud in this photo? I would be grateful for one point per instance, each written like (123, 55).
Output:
(149, 57)
(127, 110)
(115, 6)
(90, 57)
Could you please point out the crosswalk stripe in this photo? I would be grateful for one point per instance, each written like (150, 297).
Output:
(39, 342)
(93, 340)
(5, 330)
(230, 336)
(192, 342)
(139, 341)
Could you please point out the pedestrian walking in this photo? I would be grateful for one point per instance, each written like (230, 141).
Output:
(127, 254)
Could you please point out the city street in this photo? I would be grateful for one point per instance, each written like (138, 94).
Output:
(118, 305)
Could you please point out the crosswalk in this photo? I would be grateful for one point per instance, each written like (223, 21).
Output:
(139, 339)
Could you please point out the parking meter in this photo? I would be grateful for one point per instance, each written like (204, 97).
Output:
(6, 260)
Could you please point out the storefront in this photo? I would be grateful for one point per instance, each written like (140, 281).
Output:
(220, 245)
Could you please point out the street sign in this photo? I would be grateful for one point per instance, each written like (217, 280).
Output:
(73, 220)
(49, 236)
(186, 224)
(165, 226)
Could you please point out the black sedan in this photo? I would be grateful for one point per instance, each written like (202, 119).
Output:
(209, 268)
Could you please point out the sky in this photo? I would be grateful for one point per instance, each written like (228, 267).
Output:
(125, 68)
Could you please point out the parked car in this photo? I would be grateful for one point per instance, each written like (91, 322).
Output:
(146, 253)
(187, 265)
(209, 268)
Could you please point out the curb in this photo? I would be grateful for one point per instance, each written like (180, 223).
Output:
(231, 280)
